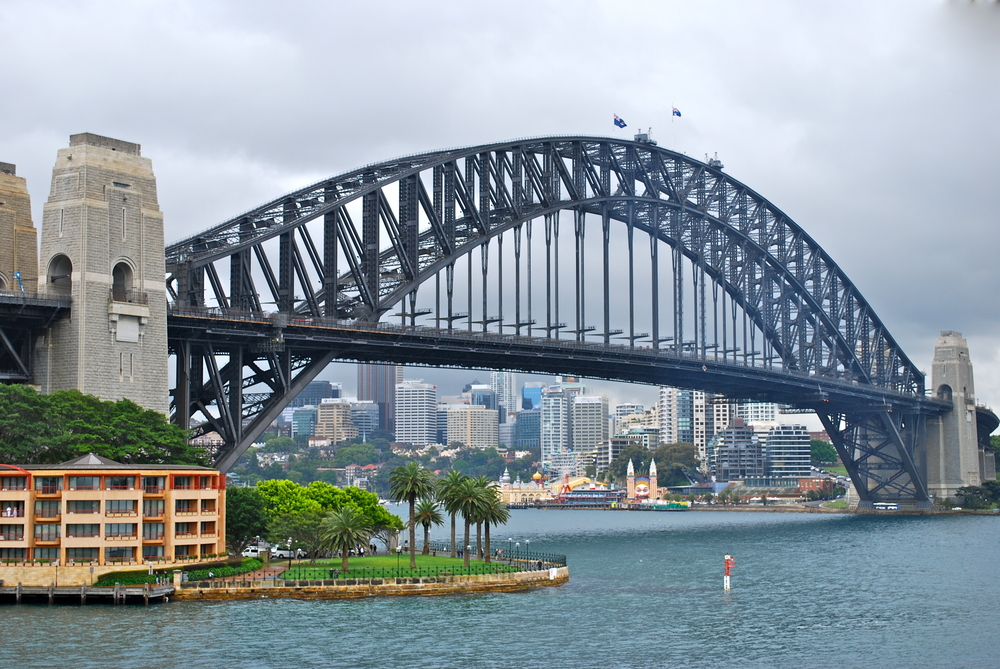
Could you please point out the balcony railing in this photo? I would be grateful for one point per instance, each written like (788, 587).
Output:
(83, 535)
(14, 487)
(11, 536)
(121, 513)
(12, 513)
(47, 513)
(184, 486)
(129, 295)
(153, 536)
(153, 489)
(186, 512)
(84, 487)
(48, 490)
(120, 487)
(120, 535)
(208, 512)
(47, 539)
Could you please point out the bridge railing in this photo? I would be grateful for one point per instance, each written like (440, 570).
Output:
(8, 296)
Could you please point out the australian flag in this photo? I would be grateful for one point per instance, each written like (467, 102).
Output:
(619, 122)
(676, 112)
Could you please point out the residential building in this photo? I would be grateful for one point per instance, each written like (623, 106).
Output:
(92, 510)
(504, 387)
(590, 426)
(365, 416)
(788, 452)
(416, 413)
(757, 412)
(737, 453)
(528, 429)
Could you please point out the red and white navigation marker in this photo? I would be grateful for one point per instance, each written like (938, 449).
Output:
(730, 563)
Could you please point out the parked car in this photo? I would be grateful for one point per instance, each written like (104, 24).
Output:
(286, 554)
(251, 551)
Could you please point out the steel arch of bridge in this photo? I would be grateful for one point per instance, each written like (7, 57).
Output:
(811, 318)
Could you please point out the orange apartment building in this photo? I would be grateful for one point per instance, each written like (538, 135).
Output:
(96, 511)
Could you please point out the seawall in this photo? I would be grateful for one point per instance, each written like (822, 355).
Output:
(372, 587)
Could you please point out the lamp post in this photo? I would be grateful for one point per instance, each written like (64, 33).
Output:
(399, 551)
(526, 542)
(518, 547)
(509, 542)
(289, 556)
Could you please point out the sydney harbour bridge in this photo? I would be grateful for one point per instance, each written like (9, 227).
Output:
(604, 258)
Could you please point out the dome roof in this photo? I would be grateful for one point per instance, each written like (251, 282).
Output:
(536, 476)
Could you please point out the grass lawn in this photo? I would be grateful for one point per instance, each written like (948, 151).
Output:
(839, 471)
(835, 504)
(385, 566)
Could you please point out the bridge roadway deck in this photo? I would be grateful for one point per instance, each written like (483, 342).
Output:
(427, 346)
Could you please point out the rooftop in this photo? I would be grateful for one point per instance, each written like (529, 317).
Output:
(96, 462)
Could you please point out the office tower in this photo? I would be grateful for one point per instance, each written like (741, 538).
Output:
(590, 426)
(365, 416)
(304, 421)
(531, 395)
(504, 387)
(334, 422)
(315, 393)
(528, 429)
(416, 412)
(377, 383)
(554, 430)
(472, 425)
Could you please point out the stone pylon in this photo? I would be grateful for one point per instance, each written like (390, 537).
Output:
(18, 237)
(102, 243)
(952, 440)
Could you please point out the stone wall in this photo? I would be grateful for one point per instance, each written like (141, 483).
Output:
(66, 575)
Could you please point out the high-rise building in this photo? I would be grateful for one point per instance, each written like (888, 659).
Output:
(788, 452)
(473, 425)
(315, 393)
(757, 412)
(377, 383)
(628, 409)
(333, 420)
(529, 429)
(590, 426)
(531, 395)
(365, 416)
(554, 430)
(304, 421)
(503, 386)
(482, 395)
(416, 412)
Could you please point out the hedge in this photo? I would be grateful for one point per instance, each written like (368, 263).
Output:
(142, 576)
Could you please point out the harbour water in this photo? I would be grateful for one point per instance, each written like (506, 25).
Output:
(645, 591)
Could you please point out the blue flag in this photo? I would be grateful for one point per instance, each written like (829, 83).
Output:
(619, 122)
(677, 112)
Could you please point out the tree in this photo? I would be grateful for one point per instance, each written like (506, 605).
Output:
(355, 454)
(822, 452)
(342, 530)
(975, 497)
(246, 518)
(302, 527)
(280, 445)
(428, 513)
(410, 482)
(640, 456)
(486, 485)
(447, 489)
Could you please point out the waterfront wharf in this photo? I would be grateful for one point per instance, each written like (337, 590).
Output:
(115, 594)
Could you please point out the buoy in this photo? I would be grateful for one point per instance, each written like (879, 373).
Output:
(730, 562)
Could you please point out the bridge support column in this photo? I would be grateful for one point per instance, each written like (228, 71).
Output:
(953, 457)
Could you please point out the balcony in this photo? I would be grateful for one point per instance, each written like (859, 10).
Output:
(153, 536)
(185, 512)
(11, 536)
(83, 535)
(47, 490)
(84, 487)
(47, 515)
(120, 536)
(185, 535)
(15, 488)
(120, 514)
(128, 296)
(12, 513)
(47, 541)
(209, 535)
(153, 490)
(209, 512)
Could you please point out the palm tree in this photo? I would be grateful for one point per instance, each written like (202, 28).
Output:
(342, 530)
(495, 512)
(485, 483)
(428, 513)
(446, 490)
(409, 482)
(469, 499)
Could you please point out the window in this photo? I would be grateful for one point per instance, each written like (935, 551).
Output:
(208, 527)
(120, 482)
(12, 509)
(51, 553)
(13, 483)
(47, 509)
(152, 553)
(206, 482)
(12, 532)
(84, 482)
(184, 530)
(119, 554)
(182, 483)
(119, 530)
(13, 553)
(208, 506)
(46, 532)
(62, 218)
(152, 485)
(152, 531)
(79, 530)
(152, 507)
(184, 551)
(48, 485)
(185, 506)
(83, 506)
(83, 554)
(124, 506)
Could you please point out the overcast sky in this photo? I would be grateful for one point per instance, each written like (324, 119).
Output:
(871, 124)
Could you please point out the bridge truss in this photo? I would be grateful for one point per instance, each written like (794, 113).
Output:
(469, 240)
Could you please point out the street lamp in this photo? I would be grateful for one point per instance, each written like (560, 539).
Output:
(289, 556)
(509, 542)
(399, 550)
(526, 542)
(518, 547)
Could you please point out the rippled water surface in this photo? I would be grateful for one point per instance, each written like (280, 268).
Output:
(645, 591)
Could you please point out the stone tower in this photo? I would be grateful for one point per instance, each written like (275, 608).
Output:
(18, 237)
(654, 491)
(102, 243)
(952, 440)
(630, 481)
